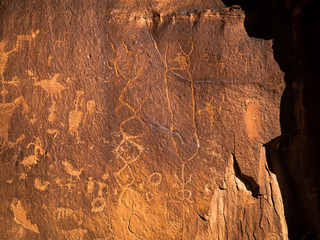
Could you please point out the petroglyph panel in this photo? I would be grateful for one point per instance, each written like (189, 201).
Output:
(118, 122)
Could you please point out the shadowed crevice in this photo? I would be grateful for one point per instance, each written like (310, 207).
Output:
(248, 181)
(276, 153)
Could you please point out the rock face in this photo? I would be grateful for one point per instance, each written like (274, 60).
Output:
(123, 121)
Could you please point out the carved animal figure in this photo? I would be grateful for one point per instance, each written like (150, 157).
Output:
(51, 86)
(37, 151)
(71, 171)
(31, 38)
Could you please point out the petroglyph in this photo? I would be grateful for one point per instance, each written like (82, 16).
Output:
(75, 117)
(4, 91)
(90, 115)
(149, 196)
(111, 43)
(126, 47)
(105, 176)
(128, 150)
(209, 109)
(30, 160)
(252, 120)
(37, 152)
(32, 74)
(4, 56)
(6, 111)
(126, 65)
(49, 60)
(69, 185)
(184, 194)
(215, 62)
(98, 204)
(155, 178)
(90, 185)
(33, 119)
(52, 116)
(38, 184)
(23, 176)
(38, 147)
(74, 176)
(31, 38)
(9, 181)
(53, 132)
(20, 216)
(51, 86)
(125, 176)
(77, 233)
(103, 140)
(183, 58)
(102, 186)
(13, 82)
(63, 213)
(71, 171)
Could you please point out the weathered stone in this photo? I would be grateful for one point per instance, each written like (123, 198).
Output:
(123, 121)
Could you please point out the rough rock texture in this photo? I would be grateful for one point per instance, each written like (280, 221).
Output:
(293, 26)
(128, 121)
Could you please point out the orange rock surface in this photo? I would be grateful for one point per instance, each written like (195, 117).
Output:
(121, 120)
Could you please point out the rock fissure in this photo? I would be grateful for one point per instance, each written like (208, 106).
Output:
(248, 181)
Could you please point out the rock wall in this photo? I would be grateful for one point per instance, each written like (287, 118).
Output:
(293, 26)
(136, 121)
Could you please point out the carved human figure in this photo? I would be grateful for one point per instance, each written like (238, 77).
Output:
(4, 58)
(6, 111)
(75, 117)
(90, 115)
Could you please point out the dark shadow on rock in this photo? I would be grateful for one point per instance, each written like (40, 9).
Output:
(248, 181)
(276, 154)
(293, 25)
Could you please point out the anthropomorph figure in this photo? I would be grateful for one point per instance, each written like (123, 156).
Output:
(4, 58)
